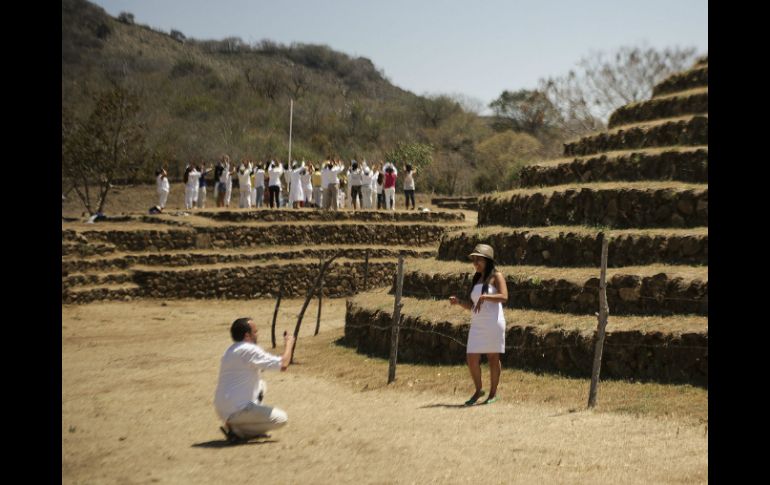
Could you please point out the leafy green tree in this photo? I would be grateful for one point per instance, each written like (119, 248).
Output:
(418, 154)
(524, 110)
(501, 157)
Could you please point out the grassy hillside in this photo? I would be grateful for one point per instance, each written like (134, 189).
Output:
(204, 98)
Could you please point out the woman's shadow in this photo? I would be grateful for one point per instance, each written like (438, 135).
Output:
(451, 406)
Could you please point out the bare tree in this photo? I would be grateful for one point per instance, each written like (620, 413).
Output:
(603, 82)
(435, 109)
(104, 147)
(268, 82)
(299, 81)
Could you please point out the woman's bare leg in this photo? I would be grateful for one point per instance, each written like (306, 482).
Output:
(474, 365)
(495, 368)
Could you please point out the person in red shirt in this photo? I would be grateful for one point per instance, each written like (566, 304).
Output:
(389, 186)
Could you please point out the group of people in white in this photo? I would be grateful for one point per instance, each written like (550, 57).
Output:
(329, 185)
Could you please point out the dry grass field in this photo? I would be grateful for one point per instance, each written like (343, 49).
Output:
(138, 381)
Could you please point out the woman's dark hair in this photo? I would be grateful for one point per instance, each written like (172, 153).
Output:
(239, 329)
(354, 165)
(489, 270)
(389, 169)
(408, 167)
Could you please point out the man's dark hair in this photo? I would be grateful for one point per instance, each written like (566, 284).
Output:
(240, 328)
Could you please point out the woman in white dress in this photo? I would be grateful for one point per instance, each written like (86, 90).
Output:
(487, 333)
(296, 190)
(307, 184)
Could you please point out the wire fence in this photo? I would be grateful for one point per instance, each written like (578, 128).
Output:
(387, 328)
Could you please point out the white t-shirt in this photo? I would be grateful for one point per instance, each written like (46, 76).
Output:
(192, 179)
(240, 373)
(366, 178)
(275, 175)
(329, 176)
(409, 181)
(243, 178)
(163, 185)
(259, 178)
(355, 177)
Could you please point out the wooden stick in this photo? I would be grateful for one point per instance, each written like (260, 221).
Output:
(320, 301)
(366, 270)
(600, 332)
(396, 321)
(309, 296)
(275, 313)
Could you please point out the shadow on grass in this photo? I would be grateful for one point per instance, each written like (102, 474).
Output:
(227, 444)
(450, 406)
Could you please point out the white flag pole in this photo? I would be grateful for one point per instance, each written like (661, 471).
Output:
(291, 120)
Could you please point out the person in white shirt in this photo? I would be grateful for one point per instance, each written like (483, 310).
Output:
(202, 187)
(244, 185)
(228, 183)
(307, 184)
(240, 392)
(222, 198)
(274, 171)
(355, 182)
(191, 187)
(285, 185)
(259, 186)
(296, 187)
(380, 181)
(366, 186)
(331, 184)
(163, 188)
(409, 185)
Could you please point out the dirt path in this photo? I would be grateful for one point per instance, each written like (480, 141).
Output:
(138, 381)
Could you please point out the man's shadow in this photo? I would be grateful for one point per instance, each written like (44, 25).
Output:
(227, 444)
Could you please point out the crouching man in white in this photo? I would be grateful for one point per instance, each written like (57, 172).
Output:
(240, 391)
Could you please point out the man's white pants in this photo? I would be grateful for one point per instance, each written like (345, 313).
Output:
(245, 197)
(390, 198)
(317, 196)
(202, 197)
(366, 195)
(163, 194)
(256, 419)
(190, 196)
(228, 193)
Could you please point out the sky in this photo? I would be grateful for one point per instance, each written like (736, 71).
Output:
(475, 48)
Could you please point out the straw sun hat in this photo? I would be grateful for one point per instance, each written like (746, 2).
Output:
(483, 250)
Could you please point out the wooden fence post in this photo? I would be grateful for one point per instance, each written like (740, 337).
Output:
(366, 270)
(600, 332)
(396, 320)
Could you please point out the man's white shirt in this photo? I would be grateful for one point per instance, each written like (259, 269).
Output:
(240, 377)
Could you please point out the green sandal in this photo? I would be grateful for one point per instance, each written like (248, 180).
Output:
(491, 400)
(472, 401)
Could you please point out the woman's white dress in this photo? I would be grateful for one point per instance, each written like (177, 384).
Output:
(296, 194)
(487, 333)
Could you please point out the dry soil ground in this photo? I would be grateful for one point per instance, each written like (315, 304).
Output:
(138, 380)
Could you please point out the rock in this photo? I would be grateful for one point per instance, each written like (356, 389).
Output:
(685, 207)
(629, 294)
